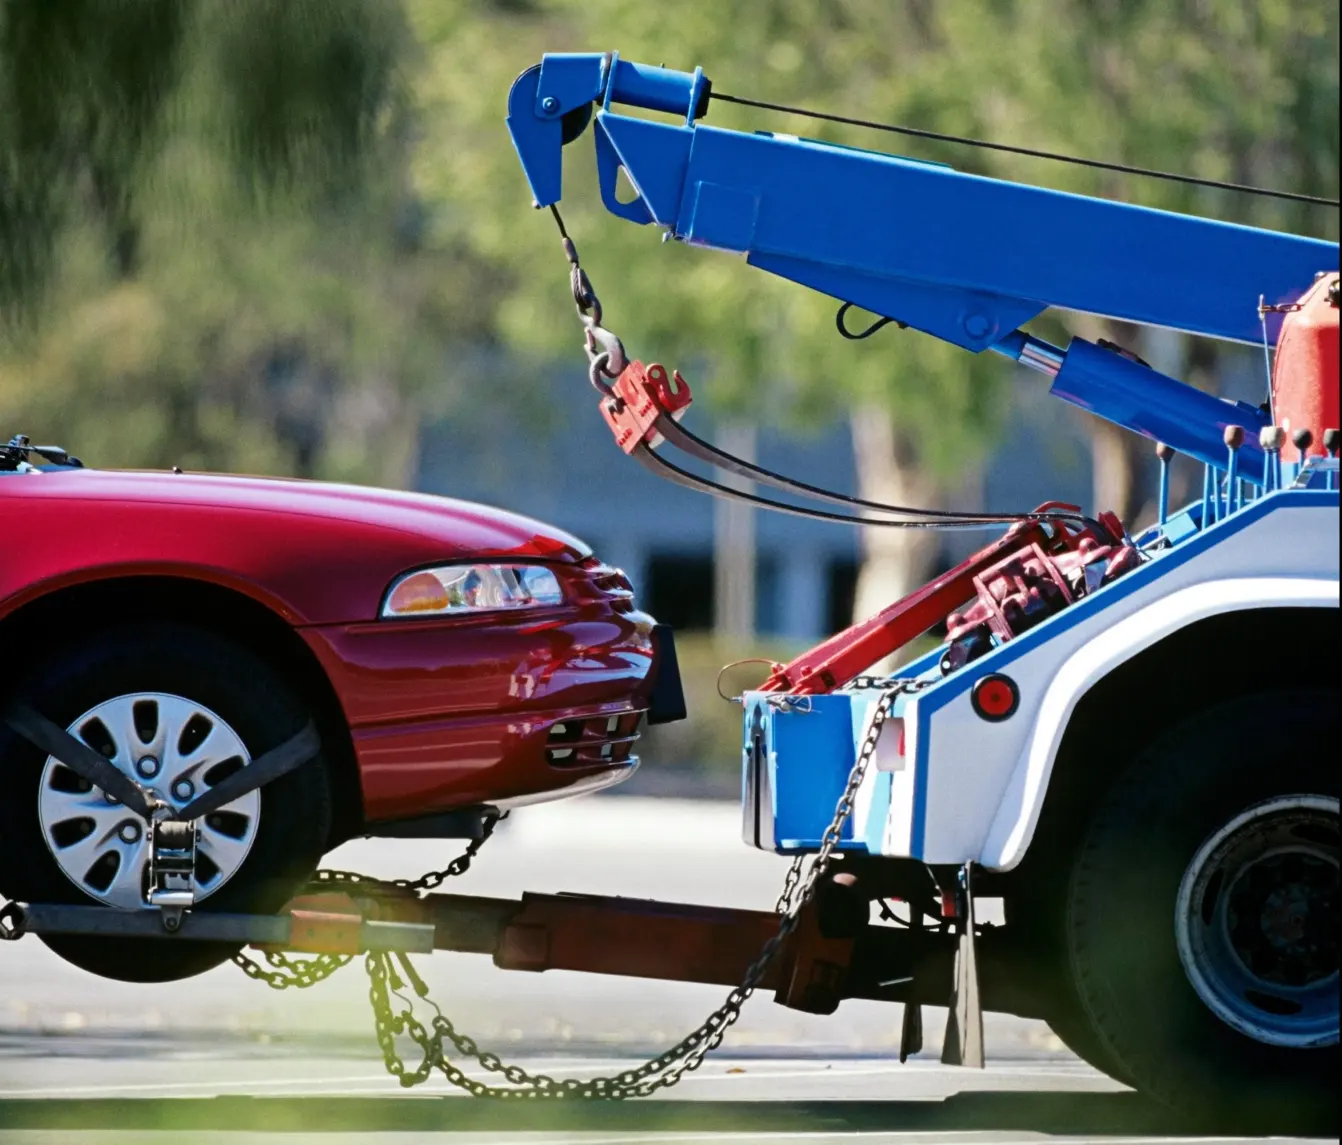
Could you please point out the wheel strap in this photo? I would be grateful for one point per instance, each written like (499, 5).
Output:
(77, 756)
(98, 770)
(278, 761)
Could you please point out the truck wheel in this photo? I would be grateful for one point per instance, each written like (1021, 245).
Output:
(1202, 915)
(177, 708)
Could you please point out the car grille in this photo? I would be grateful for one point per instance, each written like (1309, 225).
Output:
(610, 583)
(594, 741)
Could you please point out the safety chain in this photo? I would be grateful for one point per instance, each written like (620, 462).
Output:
(304, 972)
(287, 972)
(790, 882)
(892, 688)
(660, 1072)
(429, 882)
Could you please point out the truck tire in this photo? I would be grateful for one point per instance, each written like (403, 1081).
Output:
(1036, 920)
(1201, 913)
(177, 708)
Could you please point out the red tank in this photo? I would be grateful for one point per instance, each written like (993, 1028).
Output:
(1305, 378)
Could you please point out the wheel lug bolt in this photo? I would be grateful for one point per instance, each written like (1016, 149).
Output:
(148, 766)
(129, 832)
(182, 789)
(112, 799)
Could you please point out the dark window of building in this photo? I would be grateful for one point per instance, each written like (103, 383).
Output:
(678, 589)
(768, 607)
(842, 593)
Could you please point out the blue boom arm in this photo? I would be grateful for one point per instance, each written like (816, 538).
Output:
(962, 257)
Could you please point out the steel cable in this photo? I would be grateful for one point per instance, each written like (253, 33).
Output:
(1029, 152)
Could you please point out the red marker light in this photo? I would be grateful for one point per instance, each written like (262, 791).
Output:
(995, 697)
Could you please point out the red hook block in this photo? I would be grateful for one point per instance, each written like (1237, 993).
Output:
(640, 395)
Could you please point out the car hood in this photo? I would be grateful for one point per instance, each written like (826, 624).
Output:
(460, 526)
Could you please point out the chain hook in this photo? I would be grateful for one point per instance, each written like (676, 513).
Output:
(605, 352)
(584, 296)
(601, 342)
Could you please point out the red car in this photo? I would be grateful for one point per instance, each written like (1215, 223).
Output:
(456, 661)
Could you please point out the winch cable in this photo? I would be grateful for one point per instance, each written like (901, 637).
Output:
(651, 460)
(1029, 152)
(607, 360)
(687, 441)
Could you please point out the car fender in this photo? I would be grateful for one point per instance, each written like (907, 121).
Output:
(313, 553)
(1018, 812)
(282, 562)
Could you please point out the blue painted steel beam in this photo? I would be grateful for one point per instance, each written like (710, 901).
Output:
(1160, 408)
(965, 258)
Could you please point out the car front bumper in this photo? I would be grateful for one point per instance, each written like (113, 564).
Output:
(448, 714)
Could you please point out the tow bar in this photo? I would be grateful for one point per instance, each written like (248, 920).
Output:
(816, 948)
(303, 931)
(831, 954)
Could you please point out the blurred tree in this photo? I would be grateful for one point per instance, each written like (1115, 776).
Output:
(81, 91)
(246, 235)
(210, 252)
(1240, 90)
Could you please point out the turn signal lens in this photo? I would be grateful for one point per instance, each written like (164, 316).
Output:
(454, 589)
(419, 592)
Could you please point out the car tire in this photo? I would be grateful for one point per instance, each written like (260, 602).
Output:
(1201, 914)
(264, 856)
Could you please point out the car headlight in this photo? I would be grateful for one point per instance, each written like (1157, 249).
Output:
(453, 589)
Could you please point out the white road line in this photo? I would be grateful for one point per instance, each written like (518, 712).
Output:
(671, 1137)
(758, 1071)
(894, 1071)
(674, 1138)
(150, 1086)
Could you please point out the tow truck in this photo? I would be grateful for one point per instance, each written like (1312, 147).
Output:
(1123, 735)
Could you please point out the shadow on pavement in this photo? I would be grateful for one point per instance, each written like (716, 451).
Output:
(1070, 1113)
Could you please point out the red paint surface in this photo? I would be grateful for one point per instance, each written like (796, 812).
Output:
(443, 713)
(845, 655)
(1305, 375)
(848, 653)
(316, 553)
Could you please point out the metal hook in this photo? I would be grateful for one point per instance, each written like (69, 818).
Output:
(595, 374)
(601, 342)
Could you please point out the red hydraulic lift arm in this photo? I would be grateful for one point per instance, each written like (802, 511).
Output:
(847, 654)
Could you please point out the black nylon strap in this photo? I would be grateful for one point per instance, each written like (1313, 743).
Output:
(103, 774)
(291, 754)
(78, 757)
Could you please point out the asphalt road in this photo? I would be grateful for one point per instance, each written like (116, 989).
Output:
(85, 1061)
